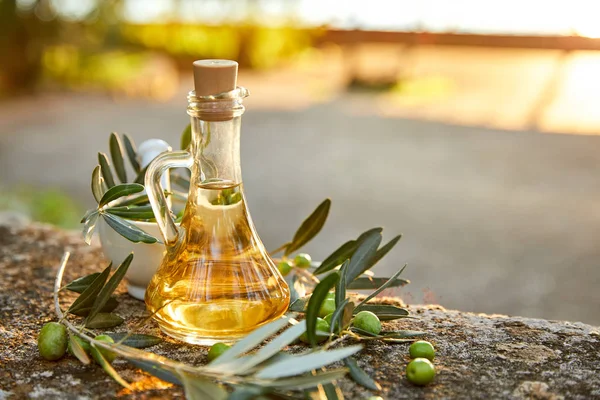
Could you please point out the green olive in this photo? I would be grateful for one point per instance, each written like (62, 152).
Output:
(422, 349)
(327, 307)
(367, 321)
(234, 198)
(420, 371)
(52, 341)
(216, 350)
(322, 326)
(107, 354)
(328, 318)
(302, 260)
(284, 267)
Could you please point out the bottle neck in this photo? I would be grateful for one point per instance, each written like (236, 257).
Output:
(215, 147)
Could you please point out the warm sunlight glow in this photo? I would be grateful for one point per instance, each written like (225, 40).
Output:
(587, 25)
(531, 17)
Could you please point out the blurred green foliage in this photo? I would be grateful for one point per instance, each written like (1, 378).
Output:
(50, 205)
(102, 50)
(80, 68)
(253, 46)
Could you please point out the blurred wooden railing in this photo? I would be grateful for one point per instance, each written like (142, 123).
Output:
(458, 39)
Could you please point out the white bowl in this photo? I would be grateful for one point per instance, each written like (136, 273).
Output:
(146, 257)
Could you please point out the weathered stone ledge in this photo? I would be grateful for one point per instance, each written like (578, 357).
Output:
(479, 356)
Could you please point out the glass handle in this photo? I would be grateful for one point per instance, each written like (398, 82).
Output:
(156, 195)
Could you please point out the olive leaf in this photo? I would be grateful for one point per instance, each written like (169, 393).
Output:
(105, 169)
(392, 336)
(78, 351)
(136, 340)
(122, 190)
(306, 381)
(346, 250)
(347, 315)
(141, 176)
(363, 283)
(131, 152)
(128, 230)
(359, 376)
(250, 341)
(306, 362)
(156, 369)
(405, 334)
(80, 284)
(361, 259)
(109, 369)
(87, 215)
(343, 253)
(116, 154)
(103, 320)
(103, 184)
(271, 349)
(201, 389)
(299, 305)
(314, 304)
(132, 212)
(384, 312)
(383, 287)
(368, 233)
(332, 392)
(110, 287)
(247, 392)
(110, 305)
(97, 181)
(337, 316)
(363, 333)
(186, 137)
(275, 358)
(294, 294)
(381, 252)
(134, 201)
(89, 226)
(340, 286)
(87, 297)
(310, 227)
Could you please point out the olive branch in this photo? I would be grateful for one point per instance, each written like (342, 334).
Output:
(120, 203)
(247, 368)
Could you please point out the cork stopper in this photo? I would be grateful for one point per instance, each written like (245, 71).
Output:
(214, 76)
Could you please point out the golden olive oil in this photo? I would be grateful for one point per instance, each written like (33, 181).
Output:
(217, 283)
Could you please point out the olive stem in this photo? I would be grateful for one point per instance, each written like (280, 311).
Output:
(280, 248)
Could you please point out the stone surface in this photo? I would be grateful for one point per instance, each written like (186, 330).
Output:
(478, 356)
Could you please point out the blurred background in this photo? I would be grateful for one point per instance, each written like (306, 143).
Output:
(469, 127)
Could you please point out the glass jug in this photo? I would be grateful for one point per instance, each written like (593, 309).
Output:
(216, 282)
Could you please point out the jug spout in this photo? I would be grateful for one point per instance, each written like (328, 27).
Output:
(216, 282)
